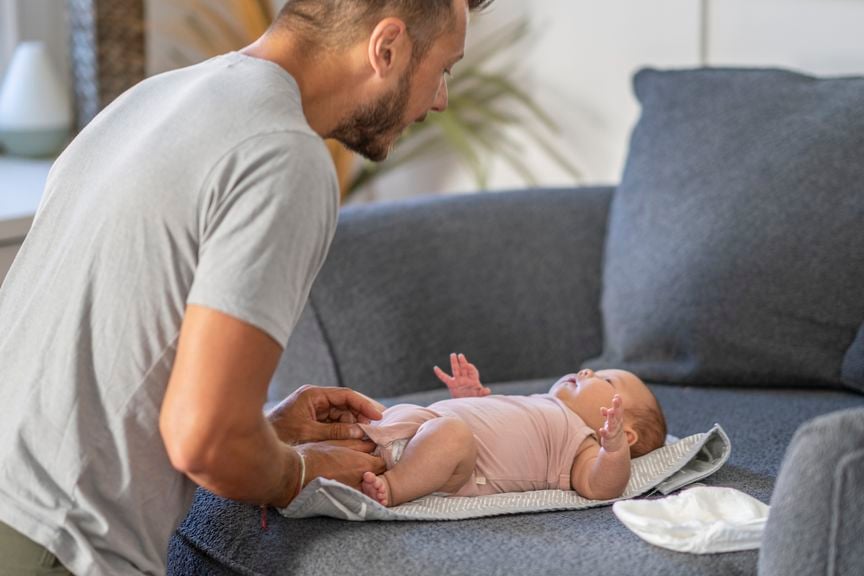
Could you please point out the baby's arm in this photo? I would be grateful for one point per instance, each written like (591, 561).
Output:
(601, 470)
(465, 382)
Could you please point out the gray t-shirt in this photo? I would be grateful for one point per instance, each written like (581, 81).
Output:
(200, 186)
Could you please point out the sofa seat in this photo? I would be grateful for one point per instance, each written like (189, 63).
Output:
(224, 537)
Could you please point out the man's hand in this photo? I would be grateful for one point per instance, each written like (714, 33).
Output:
(341, 460)
(612, 436)
(313, 413)
(465, 382)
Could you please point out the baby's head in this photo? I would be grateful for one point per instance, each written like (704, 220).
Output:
(587, 391)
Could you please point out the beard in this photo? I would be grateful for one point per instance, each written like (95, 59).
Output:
(372, 130)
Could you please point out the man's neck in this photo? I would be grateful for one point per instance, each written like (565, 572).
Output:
(328, 82)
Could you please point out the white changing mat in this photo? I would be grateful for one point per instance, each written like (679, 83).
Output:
(664, 470)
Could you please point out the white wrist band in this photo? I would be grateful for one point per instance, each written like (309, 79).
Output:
(302, 474)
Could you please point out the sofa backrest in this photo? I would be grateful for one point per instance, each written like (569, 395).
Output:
(510, 279)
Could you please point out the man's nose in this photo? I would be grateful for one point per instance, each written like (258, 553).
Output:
(441, 98)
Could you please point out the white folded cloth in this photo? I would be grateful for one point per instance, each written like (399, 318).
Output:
(700, 520)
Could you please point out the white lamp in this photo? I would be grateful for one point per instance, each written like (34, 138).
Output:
(35, 107)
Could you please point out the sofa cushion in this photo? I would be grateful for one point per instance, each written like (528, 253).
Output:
(735, 248)
(488, 275)
(853, 362)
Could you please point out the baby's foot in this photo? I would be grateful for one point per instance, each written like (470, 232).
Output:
(376, 487)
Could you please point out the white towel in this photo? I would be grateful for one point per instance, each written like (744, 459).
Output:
(699, 520)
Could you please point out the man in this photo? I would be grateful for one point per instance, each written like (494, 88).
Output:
(174, 249)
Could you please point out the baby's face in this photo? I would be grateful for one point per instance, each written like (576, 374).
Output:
(587, 391)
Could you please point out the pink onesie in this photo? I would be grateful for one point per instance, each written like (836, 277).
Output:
(523, 442)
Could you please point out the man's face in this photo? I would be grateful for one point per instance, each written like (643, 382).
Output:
(369, 130)
(374, 128)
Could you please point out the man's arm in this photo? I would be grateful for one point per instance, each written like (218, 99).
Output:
(212, 422)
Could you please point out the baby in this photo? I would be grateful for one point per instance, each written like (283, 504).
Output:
(580, 436)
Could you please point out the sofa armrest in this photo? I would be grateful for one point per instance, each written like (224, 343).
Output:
(817, 508)
(511, 279)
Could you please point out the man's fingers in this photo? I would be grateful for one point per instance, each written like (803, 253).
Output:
(342, 431)
(318, 431)
(346, 417)
(325, 398)
(378, 465)
(366, 446)
(337, 414)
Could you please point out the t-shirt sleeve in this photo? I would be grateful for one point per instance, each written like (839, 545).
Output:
(267, 215)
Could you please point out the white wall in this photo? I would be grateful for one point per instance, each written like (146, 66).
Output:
(578, 68)
(586, 51)
(8, 31)
(819, 36)
(581, 61)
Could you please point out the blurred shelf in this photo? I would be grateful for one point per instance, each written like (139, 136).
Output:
(22, 182)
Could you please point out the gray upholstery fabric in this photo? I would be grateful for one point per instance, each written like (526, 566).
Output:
(511, 279)
(224, 537)
(305, 360)
(736, 244)
(817, 509)
(853, 362)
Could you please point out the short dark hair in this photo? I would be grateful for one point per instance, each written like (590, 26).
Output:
(650, 425)
(337, 24)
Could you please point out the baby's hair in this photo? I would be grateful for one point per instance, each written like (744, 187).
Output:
(337, 24)
(650, 426)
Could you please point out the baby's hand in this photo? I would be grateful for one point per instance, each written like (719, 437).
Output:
(465, 382)
(612, 437)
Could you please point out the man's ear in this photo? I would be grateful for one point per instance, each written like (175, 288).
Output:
(389, 46)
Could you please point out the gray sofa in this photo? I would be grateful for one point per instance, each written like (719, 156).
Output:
(725, 269)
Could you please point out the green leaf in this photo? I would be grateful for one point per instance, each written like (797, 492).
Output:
(489, 116)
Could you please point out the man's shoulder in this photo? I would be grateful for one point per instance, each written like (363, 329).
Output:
(228, 99)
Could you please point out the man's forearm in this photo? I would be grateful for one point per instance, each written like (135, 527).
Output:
(250, 466)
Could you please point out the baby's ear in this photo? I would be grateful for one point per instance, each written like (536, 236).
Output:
(632, 435)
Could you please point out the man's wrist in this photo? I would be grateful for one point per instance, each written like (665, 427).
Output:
(293, 478)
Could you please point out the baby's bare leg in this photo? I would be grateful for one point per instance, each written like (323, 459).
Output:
(439, 458)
